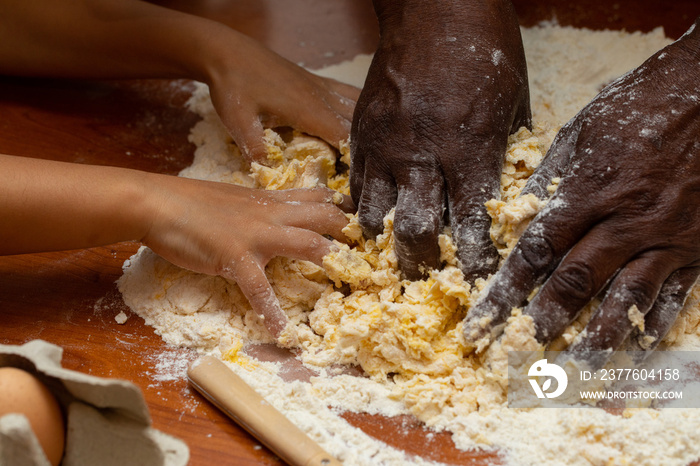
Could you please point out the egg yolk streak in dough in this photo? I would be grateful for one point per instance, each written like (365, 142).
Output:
(357, 309)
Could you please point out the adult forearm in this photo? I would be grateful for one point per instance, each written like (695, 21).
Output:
(47, 205)
(430, 16)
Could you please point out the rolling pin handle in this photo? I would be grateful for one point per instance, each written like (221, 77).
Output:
(228, 392)
(323, 459)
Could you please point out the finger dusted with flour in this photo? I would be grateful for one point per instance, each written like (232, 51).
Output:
(430, 129)
(407, 335)
(238, 231)
(624, 218)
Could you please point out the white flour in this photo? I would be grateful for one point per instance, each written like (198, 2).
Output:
(407, 336)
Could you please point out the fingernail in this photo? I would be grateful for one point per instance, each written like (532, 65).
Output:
(476, 335)
(337, 198)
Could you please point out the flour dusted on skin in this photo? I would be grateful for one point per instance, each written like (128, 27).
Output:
(407, 336)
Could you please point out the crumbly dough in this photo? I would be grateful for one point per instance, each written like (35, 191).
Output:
(407, 336)
(636, 317)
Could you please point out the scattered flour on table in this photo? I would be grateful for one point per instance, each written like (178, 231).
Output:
(121, 318)
(406, 336)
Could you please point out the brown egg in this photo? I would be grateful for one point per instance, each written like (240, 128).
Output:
(21, 392)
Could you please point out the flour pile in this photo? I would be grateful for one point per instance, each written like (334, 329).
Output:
(406, 336)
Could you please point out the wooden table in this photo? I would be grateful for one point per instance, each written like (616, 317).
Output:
(70, 298)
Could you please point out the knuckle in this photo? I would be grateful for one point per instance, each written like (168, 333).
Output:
(430, 120)
(477, 254)
(470, 202)
(640, 291)
(335, 214)
(322, 192)
(537, 253)
(416, 229)
(480, 264)
(230, 272)
(574, 281)
(470, 221)
(429, 114)
(371, 221)
(472, 238)
(376, 201)
(371, 119)
(256, 292)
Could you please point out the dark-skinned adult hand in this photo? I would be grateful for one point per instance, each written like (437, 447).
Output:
(624, 221)
(447, 84)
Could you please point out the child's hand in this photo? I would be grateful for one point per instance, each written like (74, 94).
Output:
(253, 88)
(234, 232)
(207, 227)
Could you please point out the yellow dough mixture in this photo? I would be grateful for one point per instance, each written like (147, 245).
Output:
(406, 336)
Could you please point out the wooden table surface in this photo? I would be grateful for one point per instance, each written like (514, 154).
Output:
(70, 298)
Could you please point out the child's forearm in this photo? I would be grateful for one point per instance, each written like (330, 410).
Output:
(207, 227)
(106, 39)
(47, 205)
(251, 86)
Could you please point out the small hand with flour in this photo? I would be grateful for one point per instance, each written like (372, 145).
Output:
(447, 84)
(207, 227)
(251, 86)
(624, 221)
(233, 232)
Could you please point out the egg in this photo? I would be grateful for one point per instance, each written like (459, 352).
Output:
(23, 393)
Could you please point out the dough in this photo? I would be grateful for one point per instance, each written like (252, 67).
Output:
(407, 336)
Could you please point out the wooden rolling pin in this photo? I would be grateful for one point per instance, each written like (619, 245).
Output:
(240, 402)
